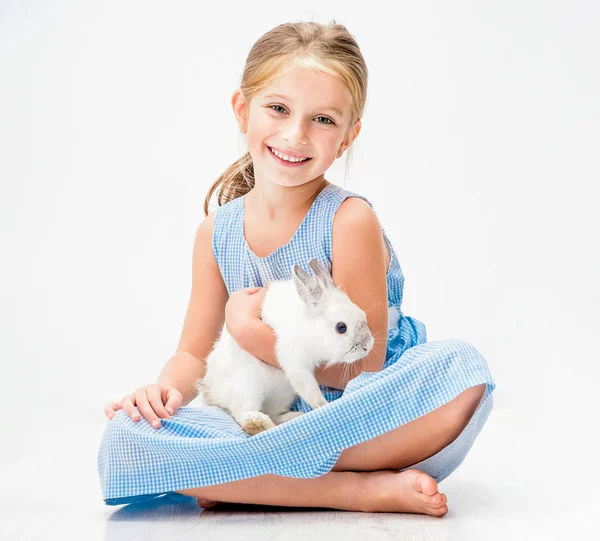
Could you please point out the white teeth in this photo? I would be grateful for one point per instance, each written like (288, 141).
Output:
(287, 158)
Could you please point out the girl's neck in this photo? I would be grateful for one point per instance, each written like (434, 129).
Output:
(272, 202)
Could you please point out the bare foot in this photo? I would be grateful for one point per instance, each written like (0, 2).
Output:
(410, 491)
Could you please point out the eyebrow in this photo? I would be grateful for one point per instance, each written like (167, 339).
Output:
(287, 98)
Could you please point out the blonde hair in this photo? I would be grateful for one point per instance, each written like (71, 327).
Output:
(329, 48)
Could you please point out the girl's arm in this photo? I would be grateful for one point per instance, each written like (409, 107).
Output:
(258, 339)
(359, 267)
(181, 371)
(203, 321)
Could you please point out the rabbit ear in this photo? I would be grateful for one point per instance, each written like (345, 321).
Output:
(322, 274)
(308, 289)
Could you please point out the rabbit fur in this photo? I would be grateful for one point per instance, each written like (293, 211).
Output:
(313, 321)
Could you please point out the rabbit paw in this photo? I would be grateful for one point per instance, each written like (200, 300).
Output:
(254, 422)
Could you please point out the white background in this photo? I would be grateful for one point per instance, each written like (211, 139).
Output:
(479, 152)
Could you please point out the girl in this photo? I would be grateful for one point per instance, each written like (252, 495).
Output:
(393, 429)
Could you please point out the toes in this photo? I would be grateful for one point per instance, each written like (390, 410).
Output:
(436, 501)
(425, 498)
(425, 483)
(443, 502)
(440, 511)
(433, 501)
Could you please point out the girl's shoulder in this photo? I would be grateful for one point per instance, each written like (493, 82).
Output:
(342, 208)
(342, 198)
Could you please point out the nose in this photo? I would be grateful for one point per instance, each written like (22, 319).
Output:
(295, 133)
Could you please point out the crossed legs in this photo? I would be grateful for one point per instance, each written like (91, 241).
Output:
(366, 477)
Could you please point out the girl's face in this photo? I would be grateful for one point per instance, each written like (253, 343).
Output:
(309, 116)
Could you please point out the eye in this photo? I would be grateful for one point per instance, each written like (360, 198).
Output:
(326, 118)
(341, 327)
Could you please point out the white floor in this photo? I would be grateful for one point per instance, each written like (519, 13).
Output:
(524, 479)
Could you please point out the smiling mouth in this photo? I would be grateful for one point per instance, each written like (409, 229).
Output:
(287, 161)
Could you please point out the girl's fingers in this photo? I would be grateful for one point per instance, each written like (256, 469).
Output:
(110, 409)
(144, 406)
(174, 400)
(129, 407)
(147, 401)
(260, 293)
(156, 402)
(252, 290)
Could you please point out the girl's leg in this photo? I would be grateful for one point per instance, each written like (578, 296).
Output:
(346, 488)
(334, 489)
(415, 441)
(410, 491)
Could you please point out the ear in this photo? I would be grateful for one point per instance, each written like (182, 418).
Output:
(349, 138)
(240, 110)
(308, 289)
(356, 130)
(322, 274)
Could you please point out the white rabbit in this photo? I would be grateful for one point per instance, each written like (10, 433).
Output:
(313, 321)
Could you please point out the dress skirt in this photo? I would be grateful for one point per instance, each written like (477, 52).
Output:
(204, 446)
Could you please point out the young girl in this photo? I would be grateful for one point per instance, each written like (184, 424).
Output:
(394, 428)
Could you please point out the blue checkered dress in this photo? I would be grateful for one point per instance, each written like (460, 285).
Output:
(204, 446)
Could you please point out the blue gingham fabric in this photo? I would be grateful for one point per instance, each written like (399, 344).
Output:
(204, 446)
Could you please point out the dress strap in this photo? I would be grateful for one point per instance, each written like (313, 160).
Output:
(227, 238)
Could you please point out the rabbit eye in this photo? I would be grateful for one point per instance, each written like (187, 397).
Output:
(341, 328)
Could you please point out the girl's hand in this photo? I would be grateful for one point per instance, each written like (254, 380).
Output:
(243, 306)
(154, 401)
